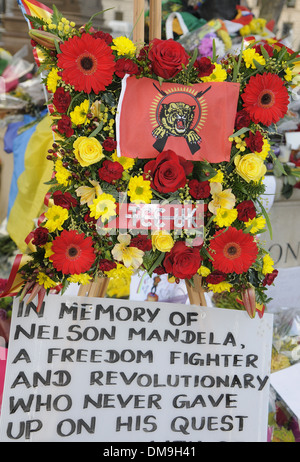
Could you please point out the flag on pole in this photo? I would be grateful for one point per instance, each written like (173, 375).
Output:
(193, 121)
(39, 10)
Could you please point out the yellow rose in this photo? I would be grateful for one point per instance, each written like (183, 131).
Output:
(162, 241)
(250, 167)
(87, 151)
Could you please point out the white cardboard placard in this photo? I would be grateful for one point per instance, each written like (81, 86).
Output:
(90, 369)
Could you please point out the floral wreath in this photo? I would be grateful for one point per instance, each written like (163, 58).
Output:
(84, 69)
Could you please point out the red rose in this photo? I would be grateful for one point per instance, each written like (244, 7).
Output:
(65, 200)
(64, 126)
(61, 100)
(168, 171)
(183, 261)
(40, 236)
(199, 190)
(242, 119)
(269, 278)
(142, 242)
(167, 57)
(215, 277)
(204, 66)
(255, 142)
(106, 265)
(126, 66)
(109, 144)
(110, 171)
(246, 210)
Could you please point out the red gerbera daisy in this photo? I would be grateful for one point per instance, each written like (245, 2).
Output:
(73, 252)
(265, 98)
(233, 251)
(87, 63)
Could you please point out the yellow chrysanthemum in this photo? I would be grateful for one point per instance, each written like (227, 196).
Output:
(103, 207)
(250, 55)
(56, 216)
(265, 149)
(257, 26)
(220, 198)
(119, 272)
(79, 114)
(225, 217)
(124, 46)
(130, 256)
(267, 264)
(45, 281)
(218, 178)
(126, 162)
(288, 74)
(119, 287)
(82, 278)
(203, 271)
(48, 249)
(62, 175)
(52, 80)
(87, 194)
(256, 224)
(245, 30)
(221, 287)
(139, 190)
(218, 75)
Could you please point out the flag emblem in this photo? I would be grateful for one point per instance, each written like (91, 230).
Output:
(193, 121)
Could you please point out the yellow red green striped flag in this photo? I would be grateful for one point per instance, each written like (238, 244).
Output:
(39, 10)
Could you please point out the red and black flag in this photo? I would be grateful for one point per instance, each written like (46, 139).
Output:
(193, 121)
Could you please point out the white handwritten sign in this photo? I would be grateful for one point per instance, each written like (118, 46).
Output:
(89, 369)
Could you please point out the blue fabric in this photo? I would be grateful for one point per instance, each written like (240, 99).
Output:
(12, 132)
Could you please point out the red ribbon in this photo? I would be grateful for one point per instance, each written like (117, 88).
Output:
(11, 279)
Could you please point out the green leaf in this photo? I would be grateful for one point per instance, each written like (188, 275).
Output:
(265, 53)
(258, 66)
(56, 16)
(160, 79)
(76, 97)
(35, 21)
(57, 47)
(97, 130)
(266, 216)
(193, 59)
(156, 262)
(277, 163)
(214, 57)
(203, 171)
(237, 66)
(240, 132)
(89, 23)
(281, 54)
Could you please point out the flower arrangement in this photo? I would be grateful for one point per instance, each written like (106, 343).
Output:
(83, 70)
